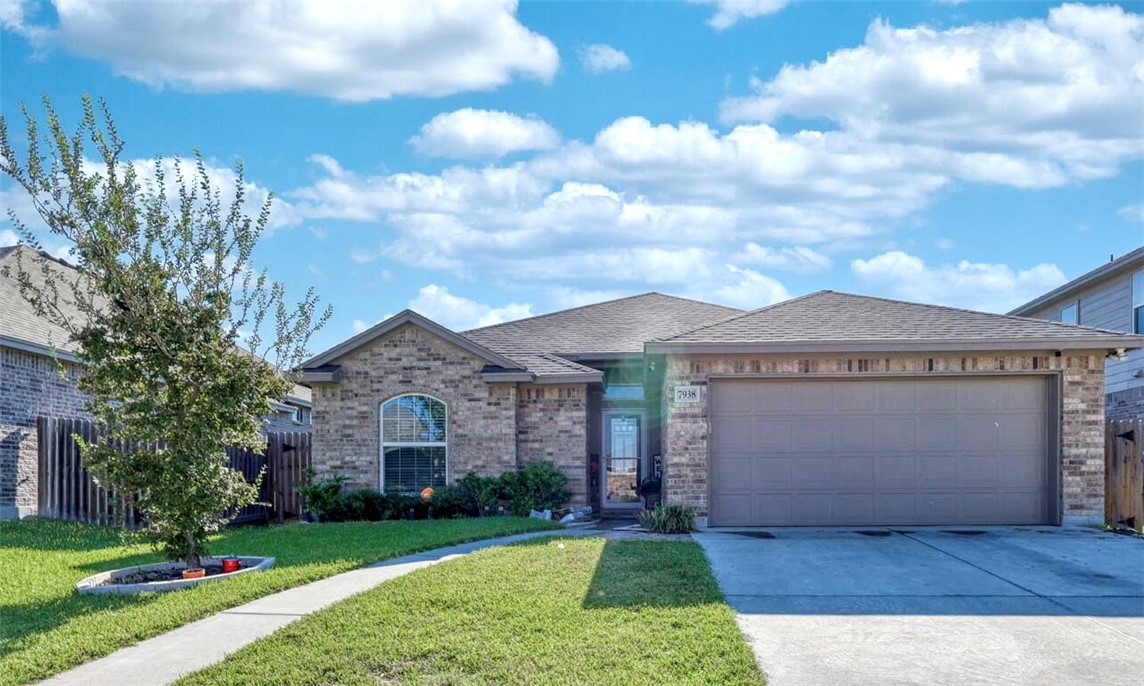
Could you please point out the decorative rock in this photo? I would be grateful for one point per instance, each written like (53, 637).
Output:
(536, 514)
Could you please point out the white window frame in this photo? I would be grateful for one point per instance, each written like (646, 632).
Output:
(405, 444)
(1074, 305)
(1137, 299)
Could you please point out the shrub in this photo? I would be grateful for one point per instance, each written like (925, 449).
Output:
(450, 502)
(669, 519)
(398, 505)
(483, 491)
(535, 486)
(358, 505)
(321, 496)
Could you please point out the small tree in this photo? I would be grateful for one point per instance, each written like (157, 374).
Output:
(163, 305)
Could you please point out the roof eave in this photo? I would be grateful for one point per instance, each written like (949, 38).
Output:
(585, 377)
(506, 377)
(1126, 342)
(322, 375)
(1126, 261)
(37, 349)
(400, 319)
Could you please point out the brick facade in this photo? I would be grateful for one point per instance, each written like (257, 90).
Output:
(1081, 427)
(481, 429)
(552, 427)
(1127, 404)
(30, 385)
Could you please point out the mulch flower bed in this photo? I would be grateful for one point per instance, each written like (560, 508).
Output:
(149, 575)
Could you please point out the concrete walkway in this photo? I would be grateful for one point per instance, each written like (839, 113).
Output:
(167, 657)
(1016, 605)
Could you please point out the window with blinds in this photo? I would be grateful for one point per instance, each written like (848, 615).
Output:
(413, 443)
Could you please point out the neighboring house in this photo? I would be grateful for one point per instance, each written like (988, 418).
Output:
(1108, 297)
(32, 384)
(828, 409)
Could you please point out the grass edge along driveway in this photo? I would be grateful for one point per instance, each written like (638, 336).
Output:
(551, 611)
(46, 627)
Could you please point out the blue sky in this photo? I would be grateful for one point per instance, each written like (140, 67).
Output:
(485, 161)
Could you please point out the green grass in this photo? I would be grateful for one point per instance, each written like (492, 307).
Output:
(46, 627)
(552, 611)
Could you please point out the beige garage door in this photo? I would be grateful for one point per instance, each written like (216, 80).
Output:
(874, 452)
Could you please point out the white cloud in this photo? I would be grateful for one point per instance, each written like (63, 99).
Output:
(974, 285)
(1028, 103)
(1132, 213)
(751, 290)
(469, 133)
(459, 313)
(729, 12)
(795, 259)
(352, 51)
(363, 256)
(944, 244)
(360, 325)
(8, 238)
(599, 58)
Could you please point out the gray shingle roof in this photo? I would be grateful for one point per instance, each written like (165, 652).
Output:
(19, 323)
(615, 326)
(827, 319)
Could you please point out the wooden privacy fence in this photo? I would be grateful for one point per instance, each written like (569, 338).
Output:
(68, 491)
(1124, 473)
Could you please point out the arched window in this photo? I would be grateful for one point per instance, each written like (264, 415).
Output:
(413, 443)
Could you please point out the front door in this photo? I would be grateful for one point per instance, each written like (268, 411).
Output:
(623, 458)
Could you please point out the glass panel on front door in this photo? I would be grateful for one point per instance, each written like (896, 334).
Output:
(622, 447)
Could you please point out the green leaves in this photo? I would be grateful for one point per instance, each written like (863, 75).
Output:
(166, 295)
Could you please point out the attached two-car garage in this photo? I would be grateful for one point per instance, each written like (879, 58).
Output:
(887, 451)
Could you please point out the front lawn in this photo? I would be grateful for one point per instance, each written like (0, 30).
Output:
(46, 627)
(553, 611)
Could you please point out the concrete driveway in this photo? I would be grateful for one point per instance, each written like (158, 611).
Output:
(1027, 605)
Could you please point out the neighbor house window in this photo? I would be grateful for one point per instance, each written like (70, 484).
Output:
(302, 415)
(413, 443)
(1070, 314)
(1138, 303)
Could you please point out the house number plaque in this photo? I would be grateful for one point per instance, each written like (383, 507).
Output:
(687, 394)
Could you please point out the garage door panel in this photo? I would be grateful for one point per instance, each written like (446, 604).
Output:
(772, 508)
(936, 432)
(895, 433)
(808, 436)
(736, 400)
(978, 471)
(874, 452)
(810, 473)
(978, 395)
(896, 471)
(735, 510)
(733, 474)
(937, 471)
(813, 398)
(771, 435)
(937, 397)
(897, 398)
(854, 472)
(1020, 469)
(732, 435)
(851, 434)
(772, 474)
(977, 432)
(854, 397)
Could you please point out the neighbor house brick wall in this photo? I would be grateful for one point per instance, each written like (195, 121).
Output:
(552, 427)
(481, 416)
(1081, 428)
(1127, 404)
(30, 385)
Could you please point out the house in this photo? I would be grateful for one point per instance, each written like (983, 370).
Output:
(1108, 297)
(827, 409)
(32, 384)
